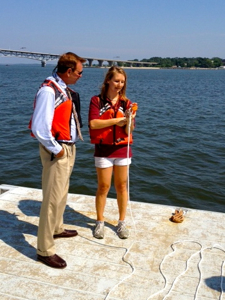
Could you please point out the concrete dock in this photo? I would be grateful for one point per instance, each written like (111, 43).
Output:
(160, 260)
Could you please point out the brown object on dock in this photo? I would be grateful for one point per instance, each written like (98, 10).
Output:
(178, 216)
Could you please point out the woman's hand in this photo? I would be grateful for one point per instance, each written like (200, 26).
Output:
(129, 113)
(122, 121)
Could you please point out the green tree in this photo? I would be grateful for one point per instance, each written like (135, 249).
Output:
(217, 62)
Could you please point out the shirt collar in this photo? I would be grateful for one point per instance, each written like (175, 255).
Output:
(58, 80)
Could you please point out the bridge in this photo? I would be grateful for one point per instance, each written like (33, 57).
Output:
(44, 57)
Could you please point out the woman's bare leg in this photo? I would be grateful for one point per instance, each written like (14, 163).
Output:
(120, 183)
(104, 176)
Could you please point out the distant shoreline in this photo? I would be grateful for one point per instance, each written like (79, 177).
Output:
(136, 68)
(159, 68)
(128, 68)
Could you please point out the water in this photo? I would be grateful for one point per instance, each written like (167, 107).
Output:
(179, 140)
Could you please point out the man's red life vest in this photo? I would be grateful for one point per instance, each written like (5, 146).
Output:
(113, 134)
(62, 115)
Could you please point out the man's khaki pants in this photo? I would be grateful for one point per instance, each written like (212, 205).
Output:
(55, 186)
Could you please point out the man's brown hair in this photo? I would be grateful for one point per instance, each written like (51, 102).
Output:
(68, 60)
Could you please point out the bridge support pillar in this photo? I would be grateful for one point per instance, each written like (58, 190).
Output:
(90, 62)
(100, 62)
(43, 63)
(110, 63)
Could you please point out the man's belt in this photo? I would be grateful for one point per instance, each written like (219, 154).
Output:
(67, 143)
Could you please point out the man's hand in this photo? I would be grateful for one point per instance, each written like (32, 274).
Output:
(60, 154)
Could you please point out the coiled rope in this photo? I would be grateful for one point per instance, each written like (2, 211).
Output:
(129, 205)
(178, 217)
(200, 252)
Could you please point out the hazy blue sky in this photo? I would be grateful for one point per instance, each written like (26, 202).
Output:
(105, 28)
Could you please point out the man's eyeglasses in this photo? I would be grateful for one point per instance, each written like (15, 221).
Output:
(77, 73)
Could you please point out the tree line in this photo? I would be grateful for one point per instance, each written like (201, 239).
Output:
(185, 62)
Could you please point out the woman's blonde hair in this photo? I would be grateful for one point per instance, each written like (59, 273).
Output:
(109, 75)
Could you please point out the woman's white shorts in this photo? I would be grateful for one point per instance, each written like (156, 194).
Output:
(106, 162)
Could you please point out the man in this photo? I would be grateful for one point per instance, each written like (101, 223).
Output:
(56, 123)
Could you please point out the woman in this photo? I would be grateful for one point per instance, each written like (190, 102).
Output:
(111, 122)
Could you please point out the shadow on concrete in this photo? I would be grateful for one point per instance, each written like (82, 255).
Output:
(14, 229)
(32, 208)
(214, 283)
(12, 233)
(71, 216)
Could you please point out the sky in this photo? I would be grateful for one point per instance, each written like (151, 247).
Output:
(123, 29)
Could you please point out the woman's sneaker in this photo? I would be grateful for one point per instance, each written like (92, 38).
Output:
(122, 231)
(99, 230)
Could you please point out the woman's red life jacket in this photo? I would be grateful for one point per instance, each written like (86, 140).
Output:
(113, 134)
(62, 115)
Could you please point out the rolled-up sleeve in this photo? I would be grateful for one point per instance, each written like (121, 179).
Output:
(42, 119)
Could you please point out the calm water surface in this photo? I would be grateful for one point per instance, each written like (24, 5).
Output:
(179, 140)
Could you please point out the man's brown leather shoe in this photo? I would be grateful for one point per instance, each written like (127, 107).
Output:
(53, 261)
(66, 234)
